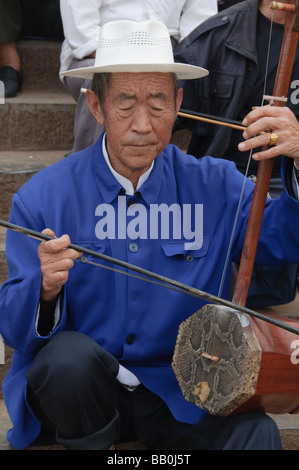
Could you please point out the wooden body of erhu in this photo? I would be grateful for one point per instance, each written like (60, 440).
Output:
(227, 362)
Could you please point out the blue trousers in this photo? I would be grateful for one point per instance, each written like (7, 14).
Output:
(75, 394)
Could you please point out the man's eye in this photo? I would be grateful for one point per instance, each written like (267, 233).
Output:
(126, 108)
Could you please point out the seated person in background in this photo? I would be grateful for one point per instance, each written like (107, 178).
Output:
(222, 4)
(233, 46)
(24, 18)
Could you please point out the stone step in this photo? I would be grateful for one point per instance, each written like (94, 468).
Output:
(16, 167)
(3, 265)
(40, 61)
(37, 120)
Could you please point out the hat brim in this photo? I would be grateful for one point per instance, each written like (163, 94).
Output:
(183, 71)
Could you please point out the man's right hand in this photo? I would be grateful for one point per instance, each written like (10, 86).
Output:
(56, 260)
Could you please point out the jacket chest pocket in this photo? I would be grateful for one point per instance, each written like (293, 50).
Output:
(180, 252)
(218, 92)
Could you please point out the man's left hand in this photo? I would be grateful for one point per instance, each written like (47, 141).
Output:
(266, 120)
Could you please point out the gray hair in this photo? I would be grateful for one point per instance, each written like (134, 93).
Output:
(100, 86)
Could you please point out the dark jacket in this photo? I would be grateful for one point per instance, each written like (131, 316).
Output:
(225, 44)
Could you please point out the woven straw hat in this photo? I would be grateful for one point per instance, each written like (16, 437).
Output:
(129, 46)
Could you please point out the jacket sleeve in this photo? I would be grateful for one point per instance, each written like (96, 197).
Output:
(194, 13)
(20, 294)
(278, 240)
(81, 24)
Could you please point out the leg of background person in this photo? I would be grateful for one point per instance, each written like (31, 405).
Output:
(42, 19)
(10, 27)
(86, 129)
(10, 20)
(74, 383)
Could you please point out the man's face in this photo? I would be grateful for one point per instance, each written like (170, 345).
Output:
(140, 110)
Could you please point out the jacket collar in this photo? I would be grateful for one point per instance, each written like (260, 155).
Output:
(241, 20)
(246, 24)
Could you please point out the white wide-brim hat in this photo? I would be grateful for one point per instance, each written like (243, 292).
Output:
(130, 46)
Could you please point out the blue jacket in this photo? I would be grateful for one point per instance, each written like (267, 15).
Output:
(108, 306)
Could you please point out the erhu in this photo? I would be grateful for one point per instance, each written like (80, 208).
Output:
(227, 362)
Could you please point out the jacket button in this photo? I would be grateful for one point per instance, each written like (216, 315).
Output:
(130, 339)
(133, 247)
(132, 202)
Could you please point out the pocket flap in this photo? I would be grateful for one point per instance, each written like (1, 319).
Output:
(182, 248)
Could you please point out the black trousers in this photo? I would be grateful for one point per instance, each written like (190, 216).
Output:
(75, 393)
(34, 18)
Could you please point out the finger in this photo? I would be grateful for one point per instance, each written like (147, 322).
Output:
(54, 246)
(50, 266)
(262, 126)
(271, 152)
(272, 118)
(56, 281)
(57, 249)
(48, 231)
(66, 253)
(54, 275)
(261, 112)
(254, 142)
(50, 258)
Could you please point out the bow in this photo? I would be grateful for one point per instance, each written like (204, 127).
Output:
(158, 278)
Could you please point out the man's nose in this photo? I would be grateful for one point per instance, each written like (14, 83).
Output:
(142, 121)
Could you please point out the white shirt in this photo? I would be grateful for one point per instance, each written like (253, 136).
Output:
(82, 20)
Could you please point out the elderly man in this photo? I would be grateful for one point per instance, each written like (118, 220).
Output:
(93, 348)
(82, 22)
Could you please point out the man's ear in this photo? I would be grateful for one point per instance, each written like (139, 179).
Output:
(179, 99)
(94, 106)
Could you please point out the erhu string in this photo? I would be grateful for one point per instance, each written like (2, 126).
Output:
(228, 254)
(230, 245)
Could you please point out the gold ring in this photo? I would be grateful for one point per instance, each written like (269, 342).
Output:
(273, 139)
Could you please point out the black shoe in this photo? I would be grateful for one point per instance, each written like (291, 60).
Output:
(12, 80)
